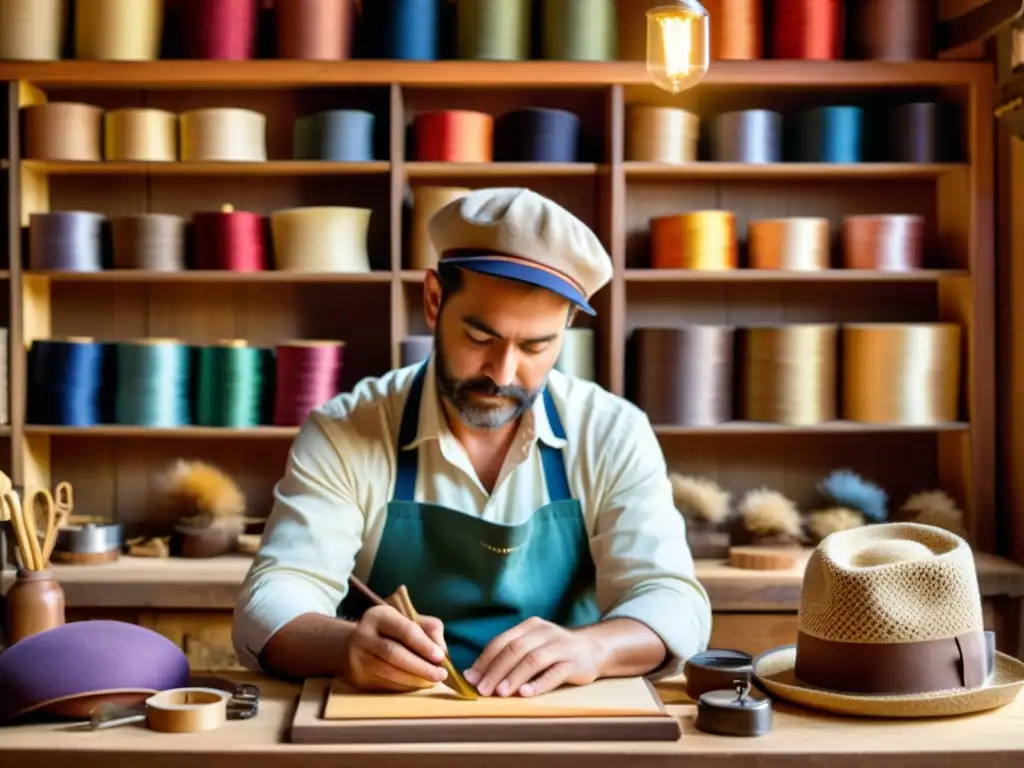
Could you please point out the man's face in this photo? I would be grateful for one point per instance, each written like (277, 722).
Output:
(496, 342)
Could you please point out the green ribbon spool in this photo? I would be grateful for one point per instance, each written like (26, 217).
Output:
(580, 30)
(494, 30)
(230, 386)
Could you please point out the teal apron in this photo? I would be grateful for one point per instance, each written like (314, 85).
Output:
(482, 578)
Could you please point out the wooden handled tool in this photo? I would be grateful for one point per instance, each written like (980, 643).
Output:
(401, 602)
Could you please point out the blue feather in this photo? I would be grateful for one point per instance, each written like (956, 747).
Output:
(848, 489)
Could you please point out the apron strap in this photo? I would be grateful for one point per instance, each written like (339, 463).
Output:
(555, 477)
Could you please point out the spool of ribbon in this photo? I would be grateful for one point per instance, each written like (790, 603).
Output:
(454, 136)
(799, 244)
(906, 374)
(63, 130)
(535, 135)
(66, 241)
(832, 135)
(807, 29)
(219, 29)
(149, 135)
(924, 132)
(683, 375)
(321, 239)
(222, 134)
(187, 710)
(579, 30)
(230, 381)
(65, 376)
(892, 30)
(153, 383)
(701, 240)
(408, 29)
(661, 135)
(337, 135)
(885, 242)
(415, 349)
(150, 241)
(736, 30)
(789, 373)
(118, 30)
(308, 375)
(577, 355)
(426, 202)
(230, 239)
(31, 30)
(747, 136)
(497, 30)
(314, 30)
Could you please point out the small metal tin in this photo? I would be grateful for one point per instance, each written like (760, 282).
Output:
(715, 670)
(90, 538)
(735, 712)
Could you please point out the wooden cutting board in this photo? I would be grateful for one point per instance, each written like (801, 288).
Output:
(624, 709)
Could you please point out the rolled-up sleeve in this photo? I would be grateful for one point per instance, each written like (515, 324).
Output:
(309, 545)
(643, 562)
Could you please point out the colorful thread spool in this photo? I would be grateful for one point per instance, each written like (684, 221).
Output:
(807, 29)
(148, 135)
(223, 134)
(832, 135)
(746, 136)
(415, 349)
(230, 239)
(230, 384)
(426, 202)
(577, 355)
(118, 30)
(321, 239)
(736, 29)
(798, 244)
(495, 30)
(924, 132)
(537, 135)
(408, 29)
(63, 131)
(883, 242)
(31, 30)
(579, 30)
(699, 240)
(66, 241)
(308, 375)
(223, 30)
(892, 30)
(65, 375)
(314, 30)
(454, 136)
(151, 241)
(661, 135)
(153, 383)
(337, 135)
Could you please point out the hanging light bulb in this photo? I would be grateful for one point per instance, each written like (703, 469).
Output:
(678, 44)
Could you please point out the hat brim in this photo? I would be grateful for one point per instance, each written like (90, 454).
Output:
(517, 270)
(774, 670)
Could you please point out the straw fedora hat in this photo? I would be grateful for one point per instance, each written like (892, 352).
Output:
(890, 625)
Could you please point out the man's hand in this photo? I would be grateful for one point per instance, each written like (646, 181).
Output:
(534, 657)
(387, 652)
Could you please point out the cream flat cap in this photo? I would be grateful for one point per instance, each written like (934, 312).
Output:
(517, 234)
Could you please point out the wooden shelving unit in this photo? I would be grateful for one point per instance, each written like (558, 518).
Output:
(112, 467)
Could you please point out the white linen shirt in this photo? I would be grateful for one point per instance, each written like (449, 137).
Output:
(330, 507)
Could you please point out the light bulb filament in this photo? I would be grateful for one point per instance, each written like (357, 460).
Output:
(676, 36)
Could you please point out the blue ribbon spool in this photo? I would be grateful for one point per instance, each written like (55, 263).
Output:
(746, 136)
(411, 30)
(832, 135)
(535, 135)
(337, 135)
(65, 379)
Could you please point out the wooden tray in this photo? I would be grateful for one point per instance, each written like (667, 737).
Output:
(627, 709)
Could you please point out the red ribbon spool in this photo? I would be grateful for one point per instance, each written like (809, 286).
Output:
(811, 30)
(454, 136)
(235, 241)
(308, 375)
(223, 30)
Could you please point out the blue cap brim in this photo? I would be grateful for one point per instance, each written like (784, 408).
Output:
(514, 270)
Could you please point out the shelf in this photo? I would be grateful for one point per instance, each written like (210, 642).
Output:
(105, 430)
(268, 168)
(280, 74)
(209, 276)
(483, 170)
(714, 170)
(788, 276)
(831, 427)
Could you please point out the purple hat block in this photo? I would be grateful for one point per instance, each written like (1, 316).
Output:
(68, 670)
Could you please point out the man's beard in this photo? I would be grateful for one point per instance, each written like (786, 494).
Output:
(473, 412)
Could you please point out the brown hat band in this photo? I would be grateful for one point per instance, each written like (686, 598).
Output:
(964, 661)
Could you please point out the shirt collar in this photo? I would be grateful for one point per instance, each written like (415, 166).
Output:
(432, 424)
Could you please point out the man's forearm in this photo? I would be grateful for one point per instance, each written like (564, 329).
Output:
(624, 647)
(309, 645)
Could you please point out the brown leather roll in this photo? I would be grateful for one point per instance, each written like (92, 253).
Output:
(892, 30)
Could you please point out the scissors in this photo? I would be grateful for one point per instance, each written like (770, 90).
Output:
(50, 533)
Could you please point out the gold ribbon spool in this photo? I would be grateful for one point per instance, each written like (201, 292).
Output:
(426, 201)
(321, 239)
(32, 30)
(63, 130)
(661, 135)
(187, 710)
(789, 373)
(149, 135)
(223, 134)
(577, 355)
(118, 30)
(700, 240)
(736, 29)
(901, 373)
(800, 244)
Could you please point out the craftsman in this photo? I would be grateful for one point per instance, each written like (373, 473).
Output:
(529, 513)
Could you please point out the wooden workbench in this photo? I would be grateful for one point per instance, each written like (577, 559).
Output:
(799, 738)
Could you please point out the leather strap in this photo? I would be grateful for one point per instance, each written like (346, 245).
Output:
(964, 661)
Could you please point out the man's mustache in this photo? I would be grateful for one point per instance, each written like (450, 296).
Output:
(487, 386)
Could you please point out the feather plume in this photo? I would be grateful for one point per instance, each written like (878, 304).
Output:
(197, 491)
(934, 508)
(699, 498)
(823, 522)
(844, 488)
(769, 513)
